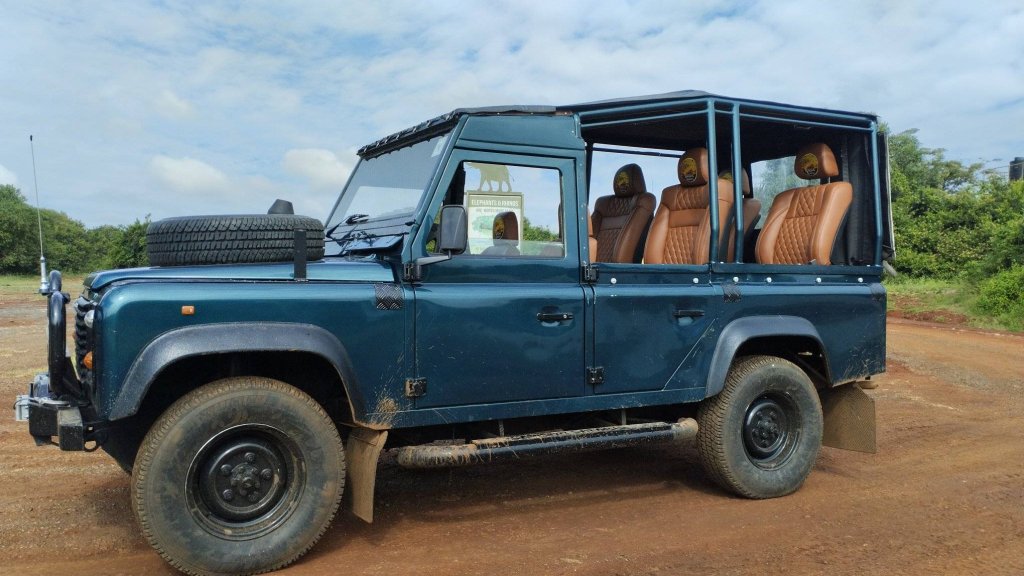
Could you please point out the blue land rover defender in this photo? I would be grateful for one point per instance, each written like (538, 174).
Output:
(682, 267)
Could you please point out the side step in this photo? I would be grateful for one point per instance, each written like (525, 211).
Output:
(494, 449)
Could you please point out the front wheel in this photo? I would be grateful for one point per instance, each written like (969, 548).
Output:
(240, 476)
(760, 436)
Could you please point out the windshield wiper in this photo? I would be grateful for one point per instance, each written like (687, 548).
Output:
(353, 219)
(354, 234)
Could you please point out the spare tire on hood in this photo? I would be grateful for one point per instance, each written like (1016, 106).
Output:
(233, 239)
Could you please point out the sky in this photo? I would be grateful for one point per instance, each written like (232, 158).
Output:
(167, 109)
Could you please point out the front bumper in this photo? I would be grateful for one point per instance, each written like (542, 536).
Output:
(48, 417)
(52, 408)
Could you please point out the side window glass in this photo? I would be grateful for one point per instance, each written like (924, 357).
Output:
(513, 211)
(770, 178)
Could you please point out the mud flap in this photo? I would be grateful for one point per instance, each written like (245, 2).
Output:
(363, 450)
(849, 419)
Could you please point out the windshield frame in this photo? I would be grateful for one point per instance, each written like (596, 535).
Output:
(441, 148)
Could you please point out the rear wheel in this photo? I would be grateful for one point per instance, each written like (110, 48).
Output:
(238, 477)
(760, 436)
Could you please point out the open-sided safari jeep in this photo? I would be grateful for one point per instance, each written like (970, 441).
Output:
(525, 279)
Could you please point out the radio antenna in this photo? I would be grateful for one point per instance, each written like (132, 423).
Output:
(44, 283)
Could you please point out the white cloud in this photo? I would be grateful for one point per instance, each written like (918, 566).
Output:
(324, 170)
(188, 175)
(8, 177)
(171, 105)
(122, 93)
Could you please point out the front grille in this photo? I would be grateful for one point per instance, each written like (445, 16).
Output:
(83, 341)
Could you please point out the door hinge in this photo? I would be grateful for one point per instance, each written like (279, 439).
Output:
(595, 375)
(415, 387)
(589, 273)
(412, 272)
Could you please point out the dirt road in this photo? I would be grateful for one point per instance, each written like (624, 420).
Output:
(944, 495)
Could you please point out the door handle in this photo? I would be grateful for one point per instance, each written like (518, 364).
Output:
(548, 317)
(687, 313)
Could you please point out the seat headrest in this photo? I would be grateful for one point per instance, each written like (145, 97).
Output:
(727, 175)
(815, 161)
(505, 227)
(693, 168)
(629, 181)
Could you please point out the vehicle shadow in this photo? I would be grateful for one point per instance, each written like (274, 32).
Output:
(550, 483)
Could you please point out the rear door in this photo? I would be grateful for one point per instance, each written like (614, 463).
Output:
(651, 323)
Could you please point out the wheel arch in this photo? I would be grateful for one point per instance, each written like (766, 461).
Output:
(290, 352)
(791, 337)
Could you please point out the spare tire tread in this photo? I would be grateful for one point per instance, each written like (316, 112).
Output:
(234, 239)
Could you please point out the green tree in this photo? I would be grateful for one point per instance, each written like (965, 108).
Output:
(129, 251)
(102, 241)
(68, 245)
(538, 233)
(950, 220)
(19, 248)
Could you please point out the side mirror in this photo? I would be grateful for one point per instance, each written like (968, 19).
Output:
(452, 236)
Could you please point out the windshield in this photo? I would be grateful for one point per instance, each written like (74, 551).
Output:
(388, 185)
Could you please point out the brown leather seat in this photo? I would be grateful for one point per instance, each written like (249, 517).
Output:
(751, 211)
(681, 232)
(505, 232)
(590, 237)
(620, 221)
(802, 224)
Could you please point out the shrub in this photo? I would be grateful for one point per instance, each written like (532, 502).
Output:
(1002, 297)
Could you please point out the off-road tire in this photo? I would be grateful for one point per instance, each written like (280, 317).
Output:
(275, 440)
(231, 239)
(760, 436)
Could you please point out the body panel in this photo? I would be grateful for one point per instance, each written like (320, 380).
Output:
(652, 325)
(375, 338)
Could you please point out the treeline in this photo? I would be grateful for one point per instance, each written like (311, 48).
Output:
(956, 221)
(69, 246)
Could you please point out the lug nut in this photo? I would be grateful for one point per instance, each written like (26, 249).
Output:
(227, 495)
(250, 457)
(266, 474)
(225, 470)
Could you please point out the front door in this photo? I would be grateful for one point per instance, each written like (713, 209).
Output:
(504, 321)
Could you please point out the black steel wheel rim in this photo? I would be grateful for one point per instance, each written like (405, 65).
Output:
(245, 481)
(770, 430)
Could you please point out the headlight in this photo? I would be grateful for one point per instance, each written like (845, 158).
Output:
(89, 316)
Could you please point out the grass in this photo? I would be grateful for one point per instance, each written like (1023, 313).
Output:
(942, 301)
(16, 285)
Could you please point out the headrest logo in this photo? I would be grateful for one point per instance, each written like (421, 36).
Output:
(499, 228)
(809, 165)
(622, 181)
(688, 170)
(727, 176)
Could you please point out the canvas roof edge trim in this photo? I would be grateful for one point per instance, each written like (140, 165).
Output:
(603, 108)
